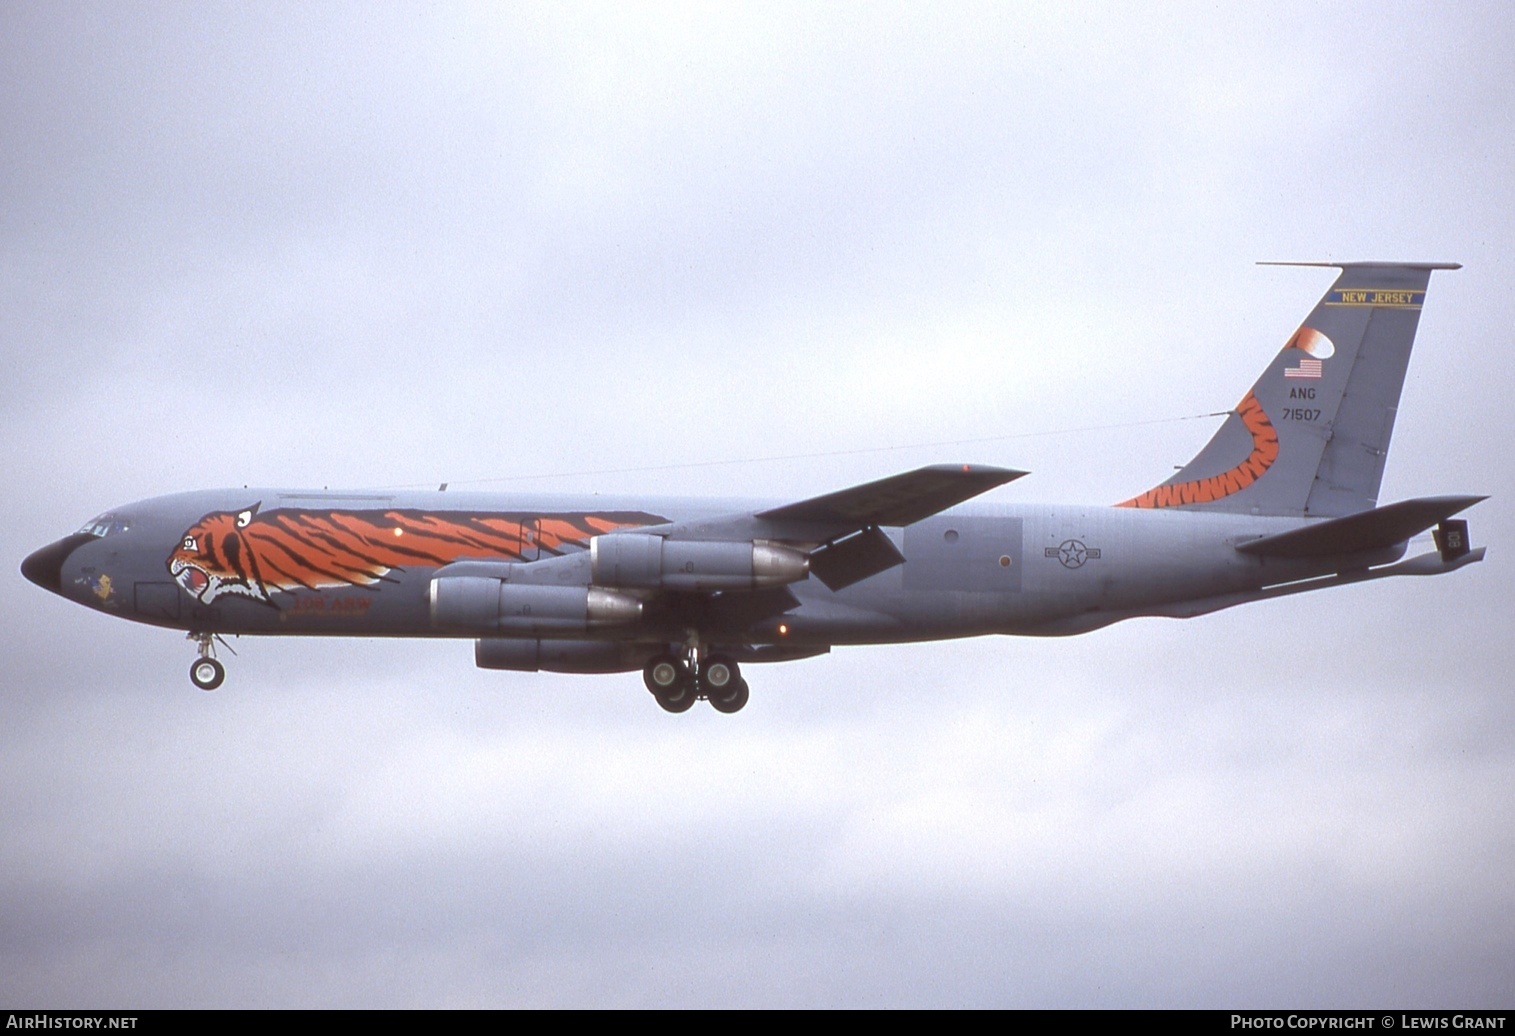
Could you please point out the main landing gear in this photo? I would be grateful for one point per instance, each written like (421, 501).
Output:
(678, 682)
(205, 672)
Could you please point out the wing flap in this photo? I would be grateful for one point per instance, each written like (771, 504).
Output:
(843, 562)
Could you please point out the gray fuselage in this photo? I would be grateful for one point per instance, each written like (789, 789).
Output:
(976, 569)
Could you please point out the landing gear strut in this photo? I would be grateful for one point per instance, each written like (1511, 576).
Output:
(676, 682)
(205, 672)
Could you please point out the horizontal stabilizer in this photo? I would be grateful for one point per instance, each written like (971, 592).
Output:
(1343, 266)
(1365, 530)
(898, 499)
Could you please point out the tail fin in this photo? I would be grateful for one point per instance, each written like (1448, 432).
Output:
(1312, 435)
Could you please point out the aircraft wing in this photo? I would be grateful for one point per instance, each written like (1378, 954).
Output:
(841, 530)
(898, 499)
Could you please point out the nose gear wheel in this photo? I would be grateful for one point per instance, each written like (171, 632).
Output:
(206, 673)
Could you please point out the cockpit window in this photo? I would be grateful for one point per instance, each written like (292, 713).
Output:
(105, 525)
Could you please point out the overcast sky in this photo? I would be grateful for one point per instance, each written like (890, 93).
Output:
(386, 245)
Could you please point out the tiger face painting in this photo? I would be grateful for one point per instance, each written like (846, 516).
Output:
(252, 555)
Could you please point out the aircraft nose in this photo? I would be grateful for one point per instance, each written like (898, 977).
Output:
(45, 567)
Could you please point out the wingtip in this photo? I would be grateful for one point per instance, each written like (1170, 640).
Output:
(983, 471)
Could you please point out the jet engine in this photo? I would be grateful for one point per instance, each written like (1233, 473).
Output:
(530, 655)
(481, 603)
(639, 561)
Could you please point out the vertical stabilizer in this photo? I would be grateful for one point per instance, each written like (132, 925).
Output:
(1312, 435)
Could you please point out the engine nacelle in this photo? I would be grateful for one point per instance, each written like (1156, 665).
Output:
(482, 603)
(639, 561)
(530, 655)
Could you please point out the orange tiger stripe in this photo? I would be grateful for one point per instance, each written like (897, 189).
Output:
(250, 554)
(1207, 490)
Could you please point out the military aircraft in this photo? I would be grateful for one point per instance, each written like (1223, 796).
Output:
(1282, 500)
